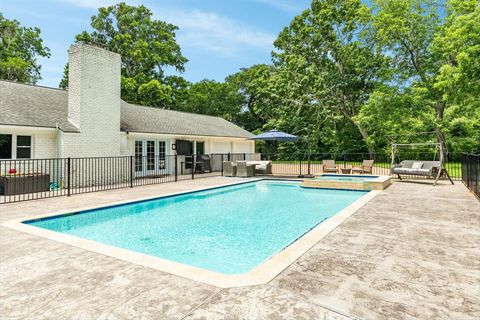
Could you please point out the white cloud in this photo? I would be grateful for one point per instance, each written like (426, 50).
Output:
(201, 29)
(208, 30)
(95, 4)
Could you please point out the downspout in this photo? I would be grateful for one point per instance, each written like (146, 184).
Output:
(58, 140)
(59, 161)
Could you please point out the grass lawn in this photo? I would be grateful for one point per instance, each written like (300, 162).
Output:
(454, 168)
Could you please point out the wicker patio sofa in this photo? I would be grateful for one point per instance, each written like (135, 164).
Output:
(432, 169)
(261, 167)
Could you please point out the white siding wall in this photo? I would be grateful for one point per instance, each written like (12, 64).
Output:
(244, 147)
(45, 146)
(221, 147)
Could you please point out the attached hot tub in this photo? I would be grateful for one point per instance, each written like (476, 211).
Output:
(348, 182)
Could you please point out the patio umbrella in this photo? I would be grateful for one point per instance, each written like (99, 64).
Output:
(276, 135)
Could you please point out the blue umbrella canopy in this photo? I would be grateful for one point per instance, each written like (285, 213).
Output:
(275, 135)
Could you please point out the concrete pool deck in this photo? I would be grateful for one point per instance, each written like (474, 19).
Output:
(411, 252)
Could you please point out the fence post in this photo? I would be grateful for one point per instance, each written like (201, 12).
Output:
(69, 175)
(222, 164)
(176, 169)
(193, 167)
(131, 171)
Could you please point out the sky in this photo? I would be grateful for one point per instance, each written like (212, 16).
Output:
(218, 37)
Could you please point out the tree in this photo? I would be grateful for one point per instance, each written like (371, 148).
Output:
(458, 44)
(252, 84)
(213, 98)
(326, 61)
(407, 28)
(20, 47)
(147, 46)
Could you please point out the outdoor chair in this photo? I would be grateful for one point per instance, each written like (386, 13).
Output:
(229, 169)
(329, 166)
(366, 167)
(245, 170)
(202, 163)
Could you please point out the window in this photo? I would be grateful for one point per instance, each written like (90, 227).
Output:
(161, 154)
(24, 147)
(200, 147)
(138, 155)
(150, 155)
(5, 146)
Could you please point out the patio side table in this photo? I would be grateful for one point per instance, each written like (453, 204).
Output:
(346, 170)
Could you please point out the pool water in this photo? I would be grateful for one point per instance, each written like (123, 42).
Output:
(339, 177)
(228, 230)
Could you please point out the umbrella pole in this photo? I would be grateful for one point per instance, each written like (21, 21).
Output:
(309, 152)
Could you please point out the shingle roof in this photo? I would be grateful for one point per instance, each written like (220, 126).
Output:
(28, 105)
(147, 119)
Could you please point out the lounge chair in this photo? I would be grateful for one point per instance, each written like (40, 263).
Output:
(245, 170)
(229, 169)
(366, 167)
(329, 166)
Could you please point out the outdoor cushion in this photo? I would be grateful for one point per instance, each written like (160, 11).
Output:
(417, 165)
(261, 166)
(411, 171)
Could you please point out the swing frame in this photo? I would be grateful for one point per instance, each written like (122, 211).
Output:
(441, 170)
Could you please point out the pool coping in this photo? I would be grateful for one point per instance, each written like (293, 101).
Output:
(261, 274)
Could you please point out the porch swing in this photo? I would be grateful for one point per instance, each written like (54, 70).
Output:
(433, 169)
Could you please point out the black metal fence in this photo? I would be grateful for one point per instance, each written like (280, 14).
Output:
(471, 172)
(303, 165)
(30, 179)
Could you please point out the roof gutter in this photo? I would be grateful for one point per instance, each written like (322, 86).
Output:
(179, 135)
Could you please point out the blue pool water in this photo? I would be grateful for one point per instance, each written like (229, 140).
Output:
(228, 230)
(339, 177)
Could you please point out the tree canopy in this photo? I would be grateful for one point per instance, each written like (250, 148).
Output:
(20, 47)
(147, 46)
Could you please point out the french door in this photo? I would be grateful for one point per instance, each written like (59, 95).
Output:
(150, 157)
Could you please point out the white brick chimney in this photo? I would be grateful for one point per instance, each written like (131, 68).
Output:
(93, 102)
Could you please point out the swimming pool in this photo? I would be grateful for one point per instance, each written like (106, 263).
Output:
(229, 230)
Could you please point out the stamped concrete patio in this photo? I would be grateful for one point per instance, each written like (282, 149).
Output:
(413, 252)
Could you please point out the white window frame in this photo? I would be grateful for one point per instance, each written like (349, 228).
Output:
(14, 146)
(157, 166)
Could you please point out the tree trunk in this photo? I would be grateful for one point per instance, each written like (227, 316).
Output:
(364, 133)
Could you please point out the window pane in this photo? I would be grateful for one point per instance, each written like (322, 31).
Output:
(24, 141)
(23, 152)
(161, 154)
(138, 155)
(5, 146)
(200, 147)
(150, 155)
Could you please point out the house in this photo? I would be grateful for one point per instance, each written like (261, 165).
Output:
(91, 119)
